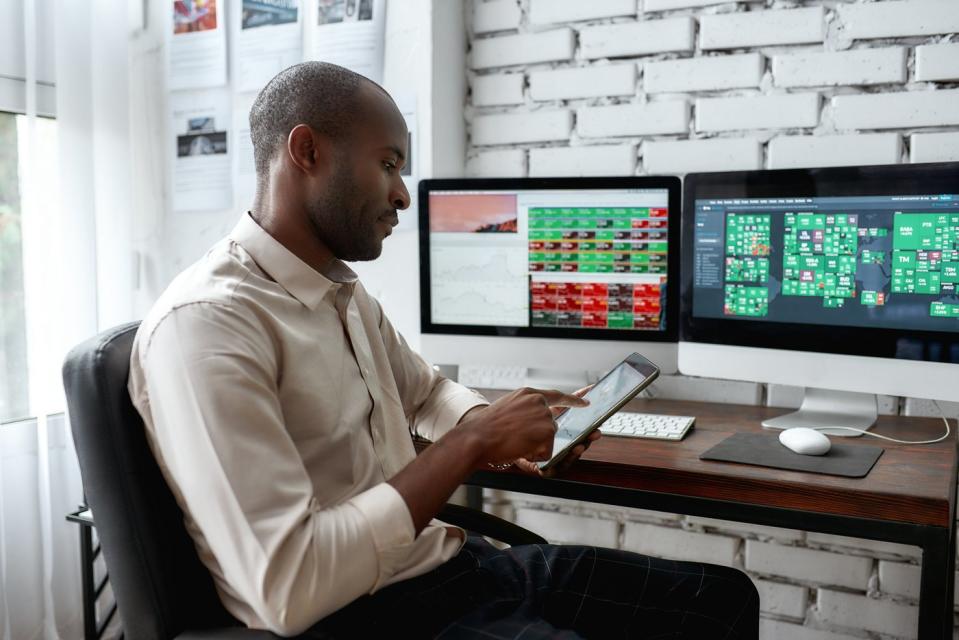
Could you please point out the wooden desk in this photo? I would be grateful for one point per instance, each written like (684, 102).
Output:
(909, 496)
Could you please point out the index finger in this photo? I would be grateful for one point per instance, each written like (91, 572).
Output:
(555, 398)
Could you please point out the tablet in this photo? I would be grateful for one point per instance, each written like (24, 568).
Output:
(607, 396)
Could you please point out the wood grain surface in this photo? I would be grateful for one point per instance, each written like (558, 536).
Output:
(909, 483)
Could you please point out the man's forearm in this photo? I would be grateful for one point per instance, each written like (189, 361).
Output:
(429, 480)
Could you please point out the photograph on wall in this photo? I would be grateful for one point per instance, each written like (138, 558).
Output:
(349, 33)
(268, 37)
(201, 138)
(190, 16)
(268, 13)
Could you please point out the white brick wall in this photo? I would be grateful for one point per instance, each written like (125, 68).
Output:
(764, 112)
(583, 82)
(856, 67)
(600, 160)
(937, 62)
(755, 28)
(619, 87)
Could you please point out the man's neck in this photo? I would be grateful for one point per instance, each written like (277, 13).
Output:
(289, 225)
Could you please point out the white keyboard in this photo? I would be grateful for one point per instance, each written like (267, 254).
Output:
(647, 425)
(492, 376)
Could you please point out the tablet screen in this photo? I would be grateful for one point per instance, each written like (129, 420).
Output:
(602, 398)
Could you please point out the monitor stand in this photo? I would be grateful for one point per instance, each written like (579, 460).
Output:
(827, 408)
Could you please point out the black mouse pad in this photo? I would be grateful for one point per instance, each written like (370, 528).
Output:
(765, 450)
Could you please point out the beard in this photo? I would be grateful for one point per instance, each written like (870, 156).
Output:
(341, 221)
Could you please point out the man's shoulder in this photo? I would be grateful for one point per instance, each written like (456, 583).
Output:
(218, 284)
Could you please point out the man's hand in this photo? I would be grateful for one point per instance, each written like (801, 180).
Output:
(518, 425)
(531, 468)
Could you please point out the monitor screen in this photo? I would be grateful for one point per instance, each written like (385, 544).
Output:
(865, 265)
(573, 257)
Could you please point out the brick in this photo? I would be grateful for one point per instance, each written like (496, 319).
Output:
(872, 547)
(583, 82)
(743, 528)
(499, 89)
(569, 529)
(778, 630)
(548, 46)
(638, 38)
(719, 154)
(896, 19)
(789, 397)
(899, 579)
(666, 5)
(894, 110)
(506, 128)
(506, 163)
(597, 160)
(676, 544)
(763, 112)
(856, 67)
(676, 387)
(652, 118)
(937, 62)
(786, 152)
(808, 565)
(757, 28)
(704, 74)
(499, 15)
(917, 407)
(782, 599)
(867, 614)
(554, 11)
(934, 147)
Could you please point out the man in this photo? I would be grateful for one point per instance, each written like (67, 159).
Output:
(279, 402)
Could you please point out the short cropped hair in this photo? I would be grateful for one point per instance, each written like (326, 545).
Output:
(319, 94)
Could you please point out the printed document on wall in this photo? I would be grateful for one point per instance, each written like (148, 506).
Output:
(200, 150)
(349, 33)
(197, 46)
(268, 39)
(244, 170)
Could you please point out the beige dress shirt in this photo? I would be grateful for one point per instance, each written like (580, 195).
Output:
(278, 401)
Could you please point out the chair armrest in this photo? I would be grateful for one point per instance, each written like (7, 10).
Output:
(486, 524)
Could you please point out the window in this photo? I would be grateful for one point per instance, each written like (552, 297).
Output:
(14, 389)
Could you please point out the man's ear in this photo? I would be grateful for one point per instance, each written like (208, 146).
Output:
(308, 150)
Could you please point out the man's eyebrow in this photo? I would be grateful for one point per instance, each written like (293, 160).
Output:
(396, 150)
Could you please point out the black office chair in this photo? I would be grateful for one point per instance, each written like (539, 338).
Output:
(162, 589)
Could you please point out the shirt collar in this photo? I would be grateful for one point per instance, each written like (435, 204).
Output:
(298, 278)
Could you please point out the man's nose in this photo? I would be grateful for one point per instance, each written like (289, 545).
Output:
(400, 198)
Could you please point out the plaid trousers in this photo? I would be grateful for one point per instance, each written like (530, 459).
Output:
(555, 591)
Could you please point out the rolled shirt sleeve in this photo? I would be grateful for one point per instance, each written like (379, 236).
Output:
(218, 431)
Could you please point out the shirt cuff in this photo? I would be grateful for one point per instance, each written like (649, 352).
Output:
(391, 526)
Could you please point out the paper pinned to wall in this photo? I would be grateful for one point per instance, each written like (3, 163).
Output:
(268, 39)
(200, 150)
(244, 170)
(197, 45)
(349, 33)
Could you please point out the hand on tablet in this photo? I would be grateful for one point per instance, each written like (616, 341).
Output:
(519, 425)
(524, 465)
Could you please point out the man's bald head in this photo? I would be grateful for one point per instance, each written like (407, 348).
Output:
(322, 95)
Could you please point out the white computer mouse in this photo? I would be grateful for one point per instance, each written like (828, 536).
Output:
(806, 441)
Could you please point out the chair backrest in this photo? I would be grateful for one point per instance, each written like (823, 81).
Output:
(161, 587)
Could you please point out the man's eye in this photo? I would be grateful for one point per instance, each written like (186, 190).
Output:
(390, 167)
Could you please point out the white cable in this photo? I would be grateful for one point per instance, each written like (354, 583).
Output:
(942, 414)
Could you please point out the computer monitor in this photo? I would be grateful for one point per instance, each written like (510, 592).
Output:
(560, 275)
(837, 280)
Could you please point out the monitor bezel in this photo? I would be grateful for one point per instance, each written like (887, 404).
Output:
(931, 178)
(670, 183)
